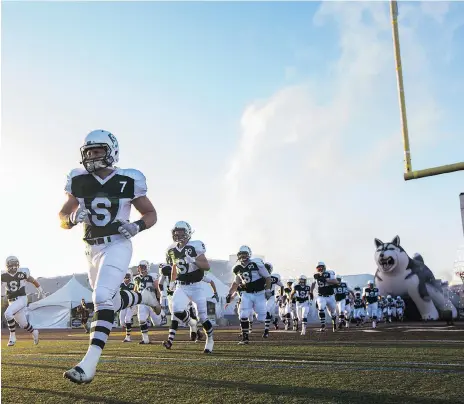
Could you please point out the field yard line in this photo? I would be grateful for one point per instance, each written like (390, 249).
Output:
(219, 359)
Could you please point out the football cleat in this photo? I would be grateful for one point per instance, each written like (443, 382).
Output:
(167, 344)
(266, 334)
(11, 342)
(144, 342)
(35, 336)
(209, 345)
(322, 329)
(77, 375)
(193, 336)
(244, 340)
(127, 339)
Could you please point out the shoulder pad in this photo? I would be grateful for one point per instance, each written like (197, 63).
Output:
(75, 172)
(140, 182)
(25, 270)
(198, 245)
(236, 269)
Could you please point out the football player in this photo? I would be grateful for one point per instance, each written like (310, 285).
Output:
(358, 306)
(399, 308)
(341, 294)
(325, 280)
(271, 302)
(370, 298)
(142, 281)
(302, 293)
(290, 307)
(100, 196)
(15, 279)
(188, 261)
(125, 315)
(391, 308)
(256, 283)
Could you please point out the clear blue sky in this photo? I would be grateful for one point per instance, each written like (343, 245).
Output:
(272, 124)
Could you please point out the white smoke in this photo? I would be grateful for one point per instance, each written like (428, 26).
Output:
(317, 173)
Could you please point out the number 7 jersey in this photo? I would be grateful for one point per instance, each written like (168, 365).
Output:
(109, 200)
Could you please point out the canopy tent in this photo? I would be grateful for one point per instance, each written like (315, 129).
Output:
(54, 311)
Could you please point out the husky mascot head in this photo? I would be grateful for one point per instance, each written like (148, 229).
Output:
(390, 256)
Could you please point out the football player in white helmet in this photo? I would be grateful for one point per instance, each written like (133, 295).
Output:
(325, 280)
(256, 284)
(15, 279)
(301, 291)
(100, 196)
(143, 281)
(271, 302)
(189, 264)
(371, 297)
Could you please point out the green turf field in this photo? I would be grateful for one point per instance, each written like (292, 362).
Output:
(350, 367)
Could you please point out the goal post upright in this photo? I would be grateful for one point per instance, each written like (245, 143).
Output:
(409, 174)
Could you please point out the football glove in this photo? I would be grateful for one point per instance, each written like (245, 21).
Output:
(228, 298)
(215, 296)
(129, 230)
(80, 215)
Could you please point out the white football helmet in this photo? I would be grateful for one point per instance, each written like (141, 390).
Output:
(106, 140)
(244, 254)
(370, 282)
(302, 280)
(12, 264)
(128, 276)
(143, 267)
(181, 232)
(320, 267)
(389, 297)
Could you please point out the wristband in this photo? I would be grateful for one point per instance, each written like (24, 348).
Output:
(142, 225)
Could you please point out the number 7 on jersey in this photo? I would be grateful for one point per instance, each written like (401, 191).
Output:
(123, 185)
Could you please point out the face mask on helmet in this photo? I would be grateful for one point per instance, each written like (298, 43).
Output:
(127, 277)
(100, 150)
(320, 268)
(244, 254)
(12, 265)
(143, 268)
(181, 232)
(302, 281)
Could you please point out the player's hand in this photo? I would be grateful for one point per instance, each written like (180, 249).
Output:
(215, 296)
(228, 298)
(268, 294)
(172, 286)
(80, 215)
(129, 230)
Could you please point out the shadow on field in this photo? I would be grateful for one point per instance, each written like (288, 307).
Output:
(290, 392)
(67, 394)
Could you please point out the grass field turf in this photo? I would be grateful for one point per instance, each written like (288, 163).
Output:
(394, 365)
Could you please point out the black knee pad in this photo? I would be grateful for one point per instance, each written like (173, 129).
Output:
(174, 324)
(181, 315)
(207, 325)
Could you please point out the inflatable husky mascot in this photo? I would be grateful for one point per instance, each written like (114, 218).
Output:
(399, 275)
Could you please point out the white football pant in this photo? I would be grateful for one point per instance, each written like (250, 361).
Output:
(372, 310)
(302, 310)
(328, 302)
(108, 265)
(186, 293)
(17, 311)
(253, 302)
(341, 307)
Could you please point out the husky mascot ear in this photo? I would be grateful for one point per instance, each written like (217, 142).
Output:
(396, 241)
(378, 243)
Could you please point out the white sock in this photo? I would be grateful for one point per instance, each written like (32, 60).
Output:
(145, 337)
(90, 361)
(12, 335)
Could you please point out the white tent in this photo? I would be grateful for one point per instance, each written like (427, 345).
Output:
(54, 311)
